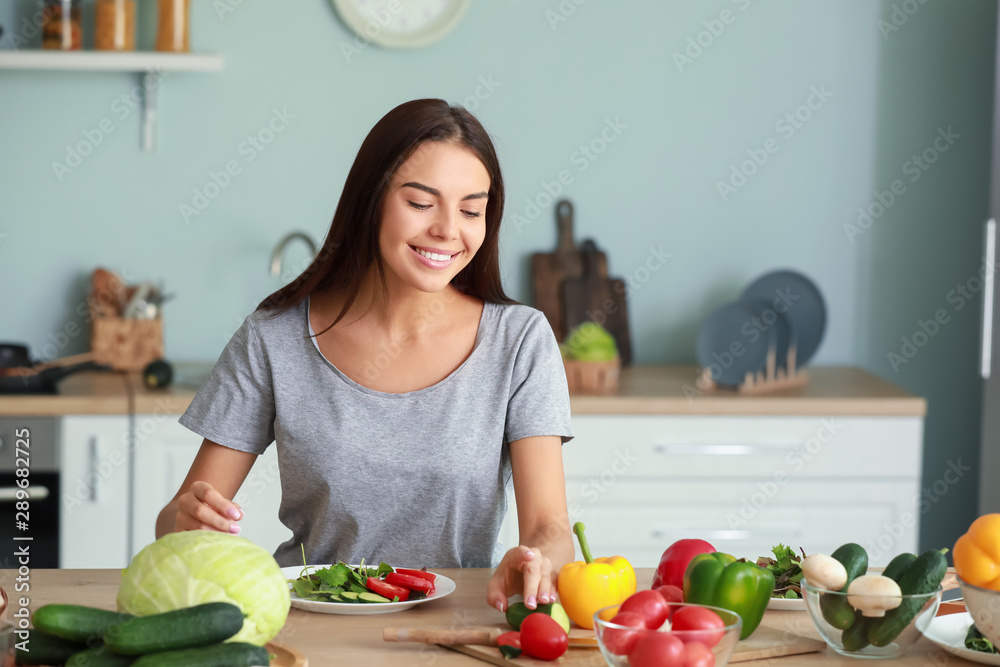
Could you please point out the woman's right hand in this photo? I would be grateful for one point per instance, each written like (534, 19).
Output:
(202, 507)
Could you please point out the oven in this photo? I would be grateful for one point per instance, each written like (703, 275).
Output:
(29, 516)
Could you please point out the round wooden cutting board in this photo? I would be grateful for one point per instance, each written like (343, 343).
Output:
(285, 656)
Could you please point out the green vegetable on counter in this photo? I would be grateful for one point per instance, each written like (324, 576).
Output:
(589, 342)
(975, 641)
(785, 566)
(341, 583)
(192, 567)
(719, 580)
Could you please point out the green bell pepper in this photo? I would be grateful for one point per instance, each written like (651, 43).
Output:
(719, 580)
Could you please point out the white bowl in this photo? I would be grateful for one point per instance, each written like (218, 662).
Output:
(984, 605)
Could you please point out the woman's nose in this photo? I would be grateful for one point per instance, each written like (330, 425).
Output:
(445, 225)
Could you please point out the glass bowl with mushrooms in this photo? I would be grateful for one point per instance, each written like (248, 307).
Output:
(871, 618)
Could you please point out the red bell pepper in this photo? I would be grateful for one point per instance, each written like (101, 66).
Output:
(387, 590)
(409, 582)
(674, 561)
(423, 574)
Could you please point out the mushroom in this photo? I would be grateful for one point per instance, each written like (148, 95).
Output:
(823, 571)
(873, 595)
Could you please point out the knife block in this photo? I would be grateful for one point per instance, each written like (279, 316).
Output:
(592, 377)
(125, 344)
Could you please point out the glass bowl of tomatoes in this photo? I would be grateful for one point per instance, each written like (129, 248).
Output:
(678, 633)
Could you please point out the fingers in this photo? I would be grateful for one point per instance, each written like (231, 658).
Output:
(496, 597)
(203, 507)
(531, 571)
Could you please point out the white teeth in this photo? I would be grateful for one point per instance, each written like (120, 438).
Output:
(433, 255)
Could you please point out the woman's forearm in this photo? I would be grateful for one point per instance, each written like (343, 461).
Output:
(555, 540)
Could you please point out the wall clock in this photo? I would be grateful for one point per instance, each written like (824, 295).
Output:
(401, 24)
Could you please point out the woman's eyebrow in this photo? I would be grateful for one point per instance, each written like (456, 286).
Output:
(437, 193)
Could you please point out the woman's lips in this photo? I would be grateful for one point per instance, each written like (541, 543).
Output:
(433, 263)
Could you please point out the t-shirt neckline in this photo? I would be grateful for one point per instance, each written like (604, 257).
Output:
(480, 336)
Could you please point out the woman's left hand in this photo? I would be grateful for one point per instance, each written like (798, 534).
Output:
(523, 570)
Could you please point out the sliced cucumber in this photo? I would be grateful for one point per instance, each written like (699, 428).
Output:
(368, 596)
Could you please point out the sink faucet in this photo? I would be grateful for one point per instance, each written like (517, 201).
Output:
(279, 251)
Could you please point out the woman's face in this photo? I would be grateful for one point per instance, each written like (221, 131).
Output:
(434, 216)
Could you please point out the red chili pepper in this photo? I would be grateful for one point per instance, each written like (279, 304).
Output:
(387, 590)
(423, 574)
(409, 582)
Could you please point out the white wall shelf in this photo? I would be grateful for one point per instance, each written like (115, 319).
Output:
(150, 65)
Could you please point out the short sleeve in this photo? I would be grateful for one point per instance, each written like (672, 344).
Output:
(539, 394)
(235, 406)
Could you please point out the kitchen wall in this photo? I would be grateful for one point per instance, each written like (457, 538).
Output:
(684, 93)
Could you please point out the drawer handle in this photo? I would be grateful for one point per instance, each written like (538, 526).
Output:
(725, 450)
(8, 494)
(712, 535)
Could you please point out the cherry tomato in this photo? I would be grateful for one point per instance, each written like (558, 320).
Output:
(650, 605)
(698, 618)
(542, 637)
(512, 638)
(670, 593)
(619, 641)
(697, 654)
(657, 649)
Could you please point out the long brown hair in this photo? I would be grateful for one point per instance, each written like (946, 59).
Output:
(351, 247)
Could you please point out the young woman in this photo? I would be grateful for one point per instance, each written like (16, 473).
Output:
(402, 387)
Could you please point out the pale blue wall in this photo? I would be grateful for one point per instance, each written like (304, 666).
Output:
(655, 185)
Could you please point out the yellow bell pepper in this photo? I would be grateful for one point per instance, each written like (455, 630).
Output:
(977, 553)
(586, 586)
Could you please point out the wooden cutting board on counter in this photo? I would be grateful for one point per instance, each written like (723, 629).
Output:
(550, 269)
(771, 640)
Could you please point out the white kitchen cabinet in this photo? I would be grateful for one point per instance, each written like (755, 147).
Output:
(94, 477)
(164, 451)
(640, 482)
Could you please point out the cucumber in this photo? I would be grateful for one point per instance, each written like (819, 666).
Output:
(836, 610)
(517, 612)
(898, 565)
(855, 637)
(920, 579)
(76, 622)
(99, 656)
(368, 596)
(200, 625)
(232, 654)
(349, 596)
(43, 649)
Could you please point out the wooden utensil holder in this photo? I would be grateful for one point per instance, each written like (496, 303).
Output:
(592, 377)
(126, 344)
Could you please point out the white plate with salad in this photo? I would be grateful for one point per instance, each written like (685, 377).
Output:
(949, 632)
(784, 565)
(339, 589)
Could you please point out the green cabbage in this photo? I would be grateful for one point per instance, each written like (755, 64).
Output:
(589, 342)
(183, 569)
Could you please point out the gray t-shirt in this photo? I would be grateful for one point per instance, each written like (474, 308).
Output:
(414, 479)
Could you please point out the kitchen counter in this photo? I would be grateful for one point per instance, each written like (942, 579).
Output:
(357, 640)
(643, 390)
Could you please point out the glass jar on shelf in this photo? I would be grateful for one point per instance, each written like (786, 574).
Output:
(62, 28)
(173, 31)
(114, 25)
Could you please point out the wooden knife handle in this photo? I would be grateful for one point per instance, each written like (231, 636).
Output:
(480, 636)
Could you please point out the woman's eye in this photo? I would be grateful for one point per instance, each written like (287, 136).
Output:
(471, 214)
(419, 207)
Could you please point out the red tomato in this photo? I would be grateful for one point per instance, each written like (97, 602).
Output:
(512, 638)
(671, 593)
(409, 582)
(619, 641)
(387, 590)
(657, 649)
(542, 637)
(429, 576)
(697, 654)
(650, 605)
(698, 618)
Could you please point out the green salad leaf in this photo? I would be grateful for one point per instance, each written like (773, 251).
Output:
(787, 571)
(329, 584)
(975, 640)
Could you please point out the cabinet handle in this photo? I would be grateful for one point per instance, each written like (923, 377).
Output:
(712, 535)
(8, 494)
(725, 450)
(93, 478)
(986, 350)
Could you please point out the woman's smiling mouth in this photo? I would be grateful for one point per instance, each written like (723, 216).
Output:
(435, 258)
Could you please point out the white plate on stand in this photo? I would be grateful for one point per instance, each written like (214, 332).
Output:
(443, 586)
(949, 632)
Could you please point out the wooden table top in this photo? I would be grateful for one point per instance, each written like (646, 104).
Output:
(327, 639)
(643, 390)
